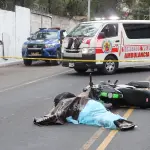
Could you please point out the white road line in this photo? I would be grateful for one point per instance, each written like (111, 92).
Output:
(34, 81)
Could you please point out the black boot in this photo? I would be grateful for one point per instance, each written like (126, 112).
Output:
(124, 125)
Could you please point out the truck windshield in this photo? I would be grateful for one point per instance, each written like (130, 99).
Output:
(85, 29)
(45, 35)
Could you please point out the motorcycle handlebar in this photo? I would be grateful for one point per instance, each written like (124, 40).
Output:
(91, 84)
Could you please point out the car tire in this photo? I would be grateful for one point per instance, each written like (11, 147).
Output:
(58, 56)
(80, 70)
(27, 62)
(110, 67)
(47, 62)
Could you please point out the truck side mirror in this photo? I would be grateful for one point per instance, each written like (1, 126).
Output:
(62, 37)
(101, 35)
(28, 38)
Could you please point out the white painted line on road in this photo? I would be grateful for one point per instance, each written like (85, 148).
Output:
(34, 81)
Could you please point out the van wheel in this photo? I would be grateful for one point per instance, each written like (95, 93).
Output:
(80, 70)
(110, 67)
(27, 62)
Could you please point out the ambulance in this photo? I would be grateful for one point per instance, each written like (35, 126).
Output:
(107, 45)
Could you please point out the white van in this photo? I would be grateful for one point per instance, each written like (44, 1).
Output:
(91, 44)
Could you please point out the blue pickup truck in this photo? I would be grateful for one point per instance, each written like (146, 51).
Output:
(45, 43)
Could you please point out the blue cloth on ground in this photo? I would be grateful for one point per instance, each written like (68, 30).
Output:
(95, 114)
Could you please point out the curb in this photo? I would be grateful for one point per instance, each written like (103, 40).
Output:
(5, 64)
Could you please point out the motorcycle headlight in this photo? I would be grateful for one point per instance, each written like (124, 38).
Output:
(49, 45)
(110, 95)
(24, 46)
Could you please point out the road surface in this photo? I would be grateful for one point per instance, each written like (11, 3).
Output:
(28, 92)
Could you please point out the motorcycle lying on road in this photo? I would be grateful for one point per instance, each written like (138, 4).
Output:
(136, 94)
(83, 109)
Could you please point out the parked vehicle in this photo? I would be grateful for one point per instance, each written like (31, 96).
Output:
(106, 42)
(45, 43)
(133, 93)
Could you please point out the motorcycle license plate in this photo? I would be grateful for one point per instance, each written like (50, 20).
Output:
(71, 64)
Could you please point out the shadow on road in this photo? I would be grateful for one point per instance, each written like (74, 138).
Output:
(120, 71)
(42, 64)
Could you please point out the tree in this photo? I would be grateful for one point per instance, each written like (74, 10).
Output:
(135, 9)
(101, 8)
(126, 9)
(76, 7)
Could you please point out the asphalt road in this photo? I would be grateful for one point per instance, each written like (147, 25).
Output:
(28, 92)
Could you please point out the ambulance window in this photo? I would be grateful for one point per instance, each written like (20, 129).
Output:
(110, 30)
(137, 31)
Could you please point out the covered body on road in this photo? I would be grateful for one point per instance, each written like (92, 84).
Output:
(83, 110)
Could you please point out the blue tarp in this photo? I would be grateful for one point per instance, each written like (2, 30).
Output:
(96, 114)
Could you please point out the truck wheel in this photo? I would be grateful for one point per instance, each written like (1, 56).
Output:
(79, 70)
(27, 62)
(58, 56)
(47, 61)
(110, 67)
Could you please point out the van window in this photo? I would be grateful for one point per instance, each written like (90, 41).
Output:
(110, 30)
(137, 31)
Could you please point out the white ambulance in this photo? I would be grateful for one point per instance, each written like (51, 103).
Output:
(107, 45)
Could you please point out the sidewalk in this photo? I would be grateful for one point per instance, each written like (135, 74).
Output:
(9, 62)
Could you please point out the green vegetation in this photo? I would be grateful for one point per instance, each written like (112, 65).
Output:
(126, 9)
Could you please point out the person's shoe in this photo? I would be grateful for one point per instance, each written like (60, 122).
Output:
(124, 125)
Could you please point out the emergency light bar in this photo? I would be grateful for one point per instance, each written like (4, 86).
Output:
(42, 28)
(58, 28)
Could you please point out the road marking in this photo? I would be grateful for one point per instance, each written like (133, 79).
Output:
(98, 133)
(90, 142)
(94, 137)
(34, 81)
(112, 134)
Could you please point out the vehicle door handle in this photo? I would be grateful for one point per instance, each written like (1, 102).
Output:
(117, 41)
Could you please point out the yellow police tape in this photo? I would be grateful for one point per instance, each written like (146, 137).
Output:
(73, 60)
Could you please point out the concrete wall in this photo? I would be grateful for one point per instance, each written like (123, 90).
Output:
(14, 30)
(47, 21)
(22, 28)
(7, 32)
(16, 27)
(40, 21)
(63, 22)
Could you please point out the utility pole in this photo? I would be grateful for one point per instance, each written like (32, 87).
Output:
(89, 10)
